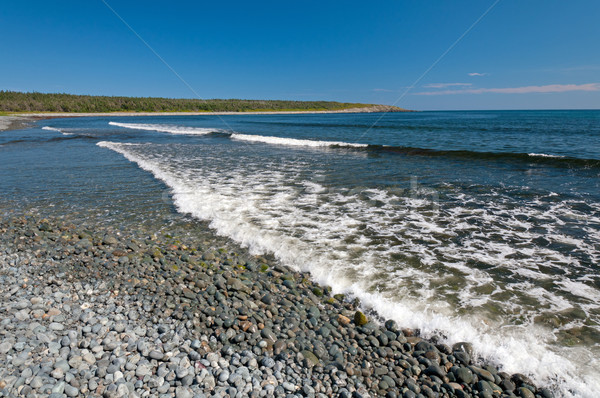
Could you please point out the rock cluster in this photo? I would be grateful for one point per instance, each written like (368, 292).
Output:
(106, 314)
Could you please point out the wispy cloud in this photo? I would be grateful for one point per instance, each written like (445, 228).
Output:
(550, 88)
(444, 85)
(385, 90)
(478, 74)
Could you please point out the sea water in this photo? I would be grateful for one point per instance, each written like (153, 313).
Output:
(468, 226)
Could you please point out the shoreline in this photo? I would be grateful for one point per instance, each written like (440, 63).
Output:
(371, 109)
(93, 311)
(16, 122)
(19, 120)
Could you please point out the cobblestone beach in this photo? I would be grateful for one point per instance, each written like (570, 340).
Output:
(102, 313)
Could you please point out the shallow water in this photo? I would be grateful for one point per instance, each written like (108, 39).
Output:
(477, 226)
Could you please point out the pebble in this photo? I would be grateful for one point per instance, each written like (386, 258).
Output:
(56, 326)
(5, 347)
(142, 315)
(464, 375)
(57, 373)
(525, 393)
(155, 354)
(183, 392)
(71, 391)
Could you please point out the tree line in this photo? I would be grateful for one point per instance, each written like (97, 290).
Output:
(12, 101)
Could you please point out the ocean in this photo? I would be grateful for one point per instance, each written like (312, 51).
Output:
(480, 226)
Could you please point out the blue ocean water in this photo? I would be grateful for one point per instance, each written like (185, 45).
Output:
(477, 226)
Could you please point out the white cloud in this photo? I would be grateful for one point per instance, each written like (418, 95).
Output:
(444, 85)
(550, 88)
(478, 74)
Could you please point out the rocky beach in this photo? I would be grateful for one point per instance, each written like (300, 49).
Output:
(16, 122)
(91, 310)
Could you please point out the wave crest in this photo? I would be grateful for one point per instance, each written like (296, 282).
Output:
(294, 141)
(165, 128)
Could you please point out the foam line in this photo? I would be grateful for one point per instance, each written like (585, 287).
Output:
(263, 212)
(544, 155)
(164, 128)
(294, 141)
(48, 128)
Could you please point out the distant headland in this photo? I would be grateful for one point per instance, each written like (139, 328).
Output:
(42, 104)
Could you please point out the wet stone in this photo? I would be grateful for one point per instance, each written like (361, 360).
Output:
(525, 393)
(464, 375)
(360, 319)
(119, 314)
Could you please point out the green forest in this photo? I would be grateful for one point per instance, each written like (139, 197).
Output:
(11, 101)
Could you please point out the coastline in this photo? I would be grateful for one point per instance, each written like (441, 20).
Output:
(93, 311)
(16, 122)
(19, 120)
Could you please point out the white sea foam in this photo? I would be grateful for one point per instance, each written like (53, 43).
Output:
(582, 290)
(544, 155)
(164, 128)
(48, 128)
(236, 136)
(293, 141)
(343, 239)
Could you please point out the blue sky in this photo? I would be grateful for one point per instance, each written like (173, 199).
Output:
(534, 54)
